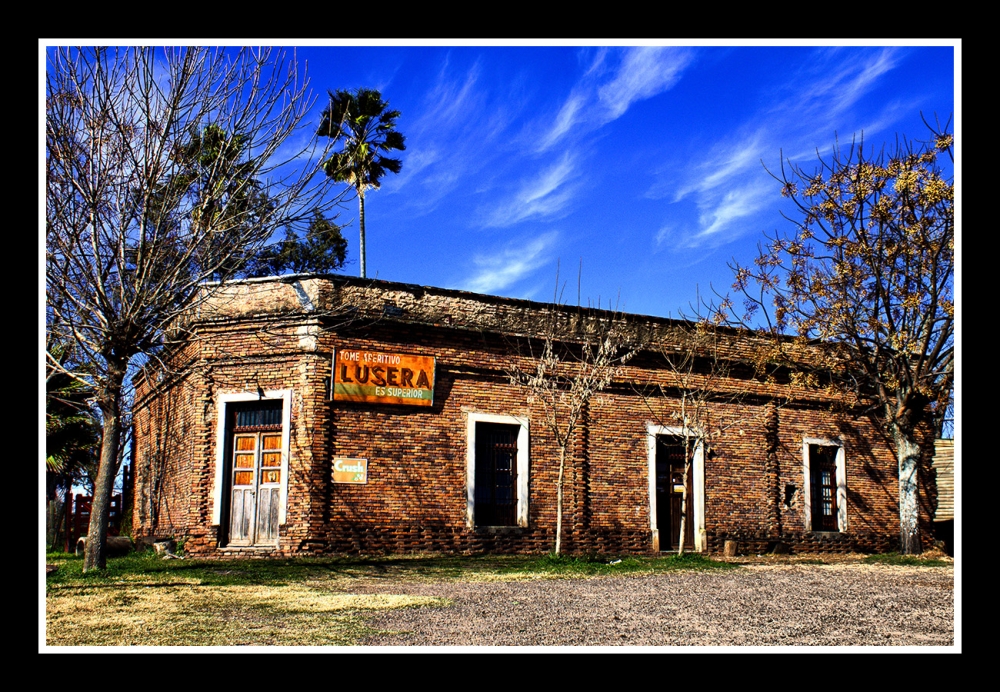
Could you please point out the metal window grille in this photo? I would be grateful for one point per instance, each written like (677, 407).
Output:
(496, 474)
(258, 415)
(823, 469)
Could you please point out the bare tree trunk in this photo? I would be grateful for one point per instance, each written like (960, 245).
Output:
(559, 498)
(97, 533)
(684, 483)
(361, 224)
(684, 502)
(52, 517)
(908, 454)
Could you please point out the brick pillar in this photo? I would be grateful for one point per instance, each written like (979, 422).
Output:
(772, 470)
(584, 462)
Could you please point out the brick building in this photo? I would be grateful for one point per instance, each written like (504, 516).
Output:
(326, 414)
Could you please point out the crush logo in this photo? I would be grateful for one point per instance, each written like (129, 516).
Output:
(350, 470)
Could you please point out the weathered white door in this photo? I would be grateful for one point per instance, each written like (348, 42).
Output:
(256, 489)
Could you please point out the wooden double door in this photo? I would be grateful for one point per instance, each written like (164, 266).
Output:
(255, 477)
(669, 494)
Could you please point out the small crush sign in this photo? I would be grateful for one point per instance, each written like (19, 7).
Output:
(350, 470)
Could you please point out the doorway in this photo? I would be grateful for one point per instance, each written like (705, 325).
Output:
(256, 450)
(670, 494)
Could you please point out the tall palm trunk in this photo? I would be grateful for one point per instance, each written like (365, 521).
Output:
(361, 223)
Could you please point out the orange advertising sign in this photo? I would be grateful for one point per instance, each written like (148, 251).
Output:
(350, 470)
(380, 377)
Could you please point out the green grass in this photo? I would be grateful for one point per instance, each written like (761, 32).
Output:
(905, 560)
(277, 572)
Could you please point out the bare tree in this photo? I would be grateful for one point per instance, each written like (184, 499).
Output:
(164, 168)
(573, 358)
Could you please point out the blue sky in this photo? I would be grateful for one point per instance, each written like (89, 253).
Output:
(643, 162)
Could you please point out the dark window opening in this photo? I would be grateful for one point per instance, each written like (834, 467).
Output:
(823, 472)
(256, 415)
(790, 492)
(496, 474)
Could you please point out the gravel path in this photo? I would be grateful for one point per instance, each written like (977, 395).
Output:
(789, 605)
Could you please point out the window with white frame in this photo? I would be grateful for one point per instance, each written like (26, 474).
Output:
(497, 470)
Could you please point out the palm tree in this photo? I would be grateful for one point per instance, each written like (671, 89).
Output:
(361, 119)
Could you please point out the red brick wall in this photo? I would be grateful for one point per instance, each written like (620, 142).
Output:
(164, 429)
(415, 498)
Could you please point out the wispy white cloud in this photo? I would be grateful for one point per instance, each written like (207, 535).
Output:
(721, 218)
(883, 121)
(612, 81)
(644, 72)
(598, 60)
(458, 118)
(641, 73)
(550, 180)
(835, 81)
(449, 101)
(418, 160)
(822, 98)
(543, 196)
(565, 121)
(436, 179)
(499, 269)
(727, 185)
(725, 162)
(665, 233)
(727, 182)
(719, 214)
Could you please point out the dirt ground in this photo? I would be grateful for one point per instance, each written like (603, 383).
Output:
(771, 602)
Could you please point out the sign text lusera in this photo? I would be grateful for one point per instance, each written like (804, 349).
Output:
(380, 377)
(350, 470)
